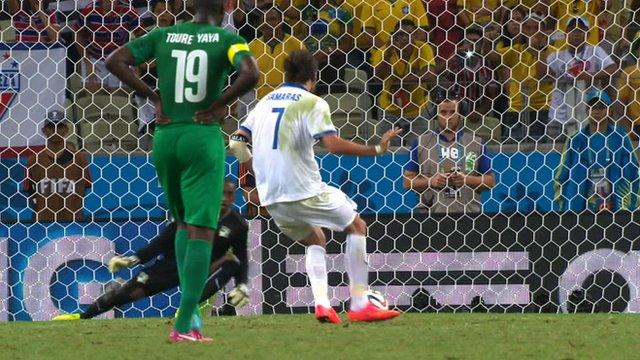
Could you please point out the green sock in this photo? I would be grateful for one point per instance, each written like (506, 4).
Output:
(181, 241)
(195, 273)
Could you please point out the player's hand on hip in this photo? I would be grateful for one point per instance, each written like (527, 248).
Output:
(211, 114)
(239, 296)
(120, 262)
(387, 136)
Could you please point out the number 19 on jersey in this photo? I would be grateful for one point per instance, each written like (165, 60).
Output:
(191, 75)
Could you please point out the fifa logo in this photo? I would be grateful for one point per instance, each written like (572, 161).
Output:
(56, 186)
(9, 83)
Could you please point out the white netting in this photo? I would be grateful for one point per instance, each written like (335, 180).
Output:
(535, 226)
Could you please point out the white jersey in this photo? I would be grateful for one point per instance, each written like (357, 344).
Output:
(284, 126)
(566, 66)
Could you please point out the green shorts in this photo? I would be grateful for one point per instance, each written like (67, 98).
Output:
(190, 161)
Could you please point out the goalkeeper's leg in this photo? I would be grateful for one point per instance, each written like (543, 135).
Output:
(131, 291)
(148, 282)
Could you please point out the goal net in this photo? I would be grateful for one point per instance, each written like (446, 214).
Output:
(537, 211)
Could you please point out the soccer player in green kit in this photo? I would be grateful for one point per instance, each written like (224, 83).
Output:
(193, 60)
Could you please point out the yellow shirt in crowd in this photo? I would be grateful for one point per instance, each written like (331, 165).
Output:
(421, 58)
(271, 61)
(629, 91)
(524, 80)
(354, 7)
(385, 15)
(563, 10)
(479, 11)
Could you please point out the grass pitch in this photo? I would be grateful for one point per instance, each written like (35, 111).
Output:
(411, 336)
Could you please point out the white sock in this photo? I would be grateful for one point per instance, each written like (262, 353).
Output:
(355, 260)
(316, 264)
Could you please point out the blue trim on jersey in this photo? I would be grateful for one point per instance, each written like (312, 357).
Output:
(323, 134)
(293, 84)
(245, 129)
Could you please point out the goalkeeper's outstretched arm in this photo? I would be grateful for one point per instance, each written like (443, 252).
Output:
(162, 244)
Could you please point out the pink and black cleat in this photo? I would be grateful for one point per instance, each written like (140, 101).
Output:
(176, 337)
(198, 336)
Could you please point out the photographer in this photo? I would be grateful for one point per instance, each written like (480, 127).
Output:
(448, 168)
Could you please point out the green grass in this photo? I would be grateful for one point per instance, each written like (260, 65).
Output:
(411, 336)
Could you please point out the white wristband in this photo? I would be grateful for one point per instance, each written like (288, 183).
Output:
(379, 150)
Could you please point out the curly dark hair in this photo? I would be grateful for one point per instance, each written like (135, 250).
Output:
(300, 67)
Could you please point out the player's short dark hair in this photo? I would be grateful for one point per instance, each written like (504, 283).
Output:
(300, 66)
(215, 7)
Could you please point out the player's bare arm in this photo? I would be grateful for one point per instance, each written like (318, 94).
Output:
(337, 145)
(122, 64)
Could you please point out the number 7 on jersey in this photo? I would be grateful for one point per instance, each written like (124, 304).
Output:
(280, 112)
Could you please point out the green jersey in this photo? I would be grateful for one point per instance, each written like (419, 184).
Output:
(193, 62)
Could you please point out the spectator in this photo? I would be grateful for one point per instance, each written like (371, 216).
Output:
(359, 55)
(470, 71)
(448, 168)
(575, 67)
(598, 169)
(330, 39)
(511, 31)
(32, 22)
(271, 49)
(562, 11)
(248, 13)
(104, 25)
(405, 67)
(445, 31)
(629, 91)
(163, 16)
(528, 92)
(382, 19)
(480, 11)
(58, 176)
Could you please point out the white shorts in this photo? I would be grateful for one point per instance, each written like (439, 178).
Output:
(332, 210)
(100, 74)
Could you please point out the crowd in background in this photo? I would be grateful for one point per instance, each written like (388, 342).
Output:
(522, 66)
(515, 70)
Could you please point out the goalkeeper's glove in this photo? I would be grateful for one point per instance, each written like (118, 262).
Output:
(119, 262)
(239, 296)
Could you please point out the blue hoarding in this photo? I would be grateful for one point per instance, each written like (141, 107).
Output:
(125, 186)
(53, 267)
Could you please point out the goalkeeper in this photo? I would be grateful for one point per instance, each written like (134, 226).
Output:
(163, 273)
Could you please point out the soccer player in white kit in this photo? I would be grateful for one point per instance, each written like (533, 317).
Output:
(283, 128)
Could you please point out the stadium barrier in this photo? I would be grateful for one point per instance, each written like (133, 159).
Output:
(517, 263)
(125, 186)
